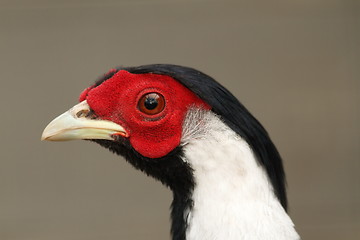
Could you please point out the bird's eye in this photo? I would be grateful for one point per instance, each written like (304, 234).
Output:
(151, 103)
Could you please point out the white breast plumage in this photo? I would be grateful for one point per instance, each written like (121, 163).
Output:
(233, 198)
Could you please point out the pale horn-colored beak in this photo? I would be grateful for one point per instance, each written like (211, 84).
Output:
(74, 124)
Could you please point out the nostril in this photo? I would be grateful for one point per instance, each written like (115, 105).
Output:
(91, 114)
(82, 113)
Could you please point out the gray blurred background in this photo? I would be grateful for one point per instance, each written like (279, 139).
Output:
(294, 64)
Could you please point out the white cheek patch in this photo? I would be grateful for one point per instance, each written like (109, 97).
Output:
(233, 197)
(195, 125)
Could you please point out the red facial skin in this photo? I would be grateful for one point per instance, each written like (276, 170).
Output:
(152, 136)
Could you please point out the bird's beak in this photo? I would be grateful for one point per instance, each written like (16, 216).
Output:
(76, 124)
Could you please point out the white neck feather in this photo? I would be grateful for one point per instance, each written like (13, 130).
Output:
(232, 198)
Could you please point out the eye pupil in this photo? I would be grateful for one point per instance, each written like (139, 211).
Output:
(151, 103)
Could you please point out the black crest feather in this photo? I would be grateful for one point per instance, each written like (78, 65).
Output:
(233, 113)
